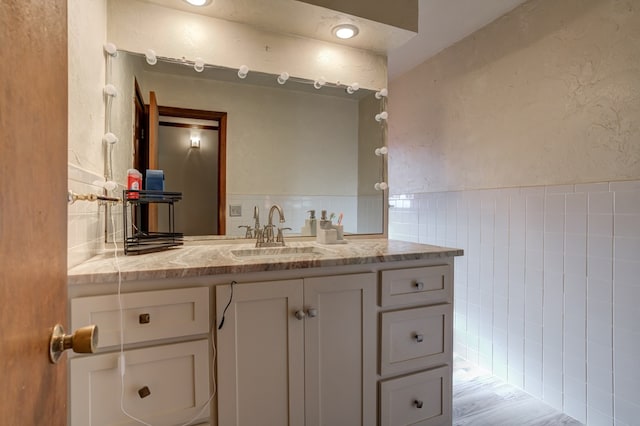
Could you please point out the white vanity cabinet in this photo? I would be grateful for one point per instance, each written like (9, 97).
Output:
(163, 382)
(416, 341)
(359, 337)
(298, 352)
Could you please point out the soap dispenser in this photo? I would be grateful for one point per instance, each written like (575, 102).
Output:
(309, 228)
(324, 223)
(311, 222)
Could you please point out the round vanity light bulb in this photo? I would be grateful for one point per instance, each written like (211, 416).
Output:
(110, 185)
(198, 64)
(381, 151)
(353, 88)
(243, 71)
(381, 186)
(382, 116)
(319, 83)
(382, 93)
(110, 138)
(150, 56)
(111, 49)
(283, 77)
(110, 90)
(198, 2)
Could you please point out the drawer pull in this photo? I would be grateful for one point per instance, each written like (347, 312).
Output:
(300, 315)
(419, 285)
(418, 337)
(144, 392)
(145, 318)
(312, 312)
(418, 403)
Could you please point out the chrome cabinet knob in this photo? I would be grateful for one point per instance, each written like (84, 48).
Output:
(312, 312)
(300, 315)
(419, 338)
(419, 285)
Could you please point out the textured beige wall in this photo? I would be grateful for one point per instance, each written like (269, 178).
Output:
(547, 94)
(87, 27)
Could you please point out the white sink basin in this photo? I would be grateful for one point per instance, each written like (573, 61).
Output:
(280, 252)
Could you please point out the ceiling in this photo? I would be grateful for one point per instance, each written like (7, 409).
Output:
(441, 24)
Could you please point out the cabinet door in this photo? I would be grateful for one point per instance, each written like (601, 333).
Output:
(162, 385)
(260, 354)
(340, 350)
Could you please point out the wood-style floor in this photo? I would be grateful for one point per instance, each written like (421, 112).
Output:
(480, 399)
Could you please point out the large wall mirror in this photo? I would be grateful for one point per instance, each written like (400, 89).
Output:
(289, 144)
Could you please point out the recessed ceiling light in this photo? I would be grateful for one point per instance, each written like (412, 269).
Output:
(199, 2)
(345, 31)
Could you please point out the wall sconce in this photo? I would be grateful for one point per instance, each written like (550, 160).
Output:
(195, 142)
(382, 116)
(243, 71)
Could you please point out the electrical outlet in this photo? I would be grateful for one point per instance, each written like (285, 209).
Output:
(235, 210)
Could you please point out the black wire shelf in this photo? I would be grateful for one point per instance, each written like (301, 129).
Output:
(138, 240)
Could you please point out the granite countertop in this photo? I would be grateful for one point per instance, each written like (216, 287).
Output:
(196, 259)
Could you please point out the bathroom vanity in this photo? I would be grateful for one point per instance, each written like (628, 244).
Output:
(308, 334)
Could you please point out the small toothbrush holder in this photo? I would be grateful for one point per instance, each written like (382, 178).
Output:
(339, 231)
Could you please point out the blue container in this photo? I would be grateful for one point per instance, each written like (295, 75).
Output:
(154, 181)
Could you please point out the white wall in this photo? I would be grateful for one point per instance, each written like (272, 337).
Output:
(542, 110)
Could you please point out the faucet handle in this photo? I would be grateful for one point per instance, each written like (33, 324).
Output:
(248, 233)
(280, 237)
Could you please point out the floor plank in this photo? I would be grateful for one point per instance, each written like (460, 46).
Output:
(481, 399)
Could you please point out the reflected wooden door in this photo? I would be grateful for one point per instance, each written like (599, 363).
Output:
(33, 209)
(154, 121)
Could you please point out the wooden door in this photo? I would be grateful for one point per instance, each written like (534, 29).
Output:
(340, 350)
(154, 122)
(33, 210)
(260, 354)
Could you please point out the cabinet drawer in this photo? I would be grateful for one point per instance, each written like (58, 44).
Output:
(148, 315)
(430, 284)
(176, 376)
(418, 399)
(416, 338)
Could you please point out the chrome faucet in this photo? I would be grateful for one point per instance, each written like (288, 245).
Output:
(265, 238)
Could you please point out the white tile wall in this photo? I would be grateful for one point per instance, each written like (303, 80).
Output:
(547, 294)
(360, 214)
